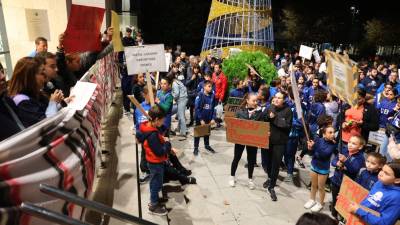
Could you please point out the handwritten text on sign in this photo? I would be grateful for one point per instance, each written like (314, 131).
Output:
(247, 132)
(146, 58)
(350, 191)
(232, 106)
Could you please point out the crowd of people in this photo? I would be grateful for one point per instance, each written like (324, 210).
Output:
(333, 133)
(337, 133)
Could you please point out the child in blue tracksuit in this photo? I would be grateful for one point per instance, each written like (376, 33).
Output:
(347, 163)
(383, 198)
(322, 149)
(316, 109)
(294, 137)
(205, 114)
(386, 107)
(368, 176)
(157, 150)
(238, 91)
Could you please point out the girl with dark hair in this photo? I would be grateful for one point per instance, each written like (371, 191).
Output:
(249, 111)
(253, 81)
(191, 86)
(383, 198)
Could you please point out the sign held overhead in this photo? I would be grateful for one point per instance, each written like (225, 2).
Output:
(146, 58)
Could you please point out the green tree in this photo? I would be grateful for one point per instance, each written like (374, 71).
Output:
(235, 66)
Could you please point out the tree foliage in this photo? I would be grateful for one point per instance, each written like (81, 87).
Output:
(235, 66)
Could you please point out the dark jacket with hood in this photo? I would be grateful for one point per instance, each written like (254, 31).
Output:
(280, 125)
(156, 148)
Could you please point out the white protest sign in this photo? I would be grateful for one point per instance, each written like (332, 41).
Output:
(305, 52)
(37, 22)
(376, 137)
(295, 90)
(316, 55)
(82, 93)
(145, 58)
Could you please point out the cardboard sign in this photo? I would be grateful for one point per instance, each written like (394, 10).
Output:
(37, 22)
(168, 61)
(116, 38)
(351, 191)
(342, 77)
(202, 130)
(305, 52)
(83, 29)
(82, 93)
(376, 137)
(247, 132)
(233, 105)
(145, 58)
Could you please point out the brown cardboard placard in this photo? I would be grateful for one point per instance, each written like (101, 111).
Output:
(233, 105)
(247, 132)
(202, 130)
(351, 191)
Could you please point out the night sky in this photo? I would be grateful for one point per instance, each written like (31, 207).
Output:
(183, 21)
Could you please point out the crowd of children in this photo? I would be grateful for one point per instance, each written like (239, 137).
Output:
(336, 133)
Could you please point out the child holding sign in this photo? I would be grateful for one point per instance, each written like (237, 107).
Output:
(156, 149)
(249, 111)
(205, 114)
(347, 163)
(383, 198)
(322, 149)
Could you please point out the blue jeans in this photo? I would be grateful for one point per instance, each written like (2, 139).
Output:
(182, 102)
(156, 181)
(290, 153)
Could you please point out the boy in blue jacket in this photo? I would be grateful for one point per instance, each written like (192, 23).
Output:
(157, 149)
(238, 91)
(347, 163)
(383, 198)
(368, 176)
(205, 114)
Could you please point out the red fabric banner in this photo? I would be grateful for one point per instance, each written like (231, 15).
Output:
(83, 29)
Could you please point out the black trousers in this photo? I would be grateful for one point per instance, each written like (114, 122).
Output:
(251, 159)
(335, 192)
(143, 162)
(273, 158)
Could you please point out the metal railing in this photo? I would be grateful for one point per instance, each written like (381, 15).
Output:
(72, 198)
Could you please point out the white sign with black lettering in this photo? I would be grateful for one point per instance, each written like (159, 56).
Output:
(146, 58)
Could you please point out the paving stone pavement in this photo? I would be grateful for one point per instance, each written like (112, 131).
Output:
(212, 200)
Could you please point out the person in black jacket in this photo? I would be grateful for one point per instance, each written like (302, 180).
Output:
(249, 111)
(9, 120)
(191, 86)
(280, 117)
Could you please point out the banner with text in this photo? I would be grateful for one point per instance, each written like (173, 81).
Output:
(145, 58)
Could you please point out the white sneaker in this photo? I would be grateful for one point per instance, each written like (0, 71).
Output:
(309, 204)
(317, 207)
(251, 184)
(232, 181)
